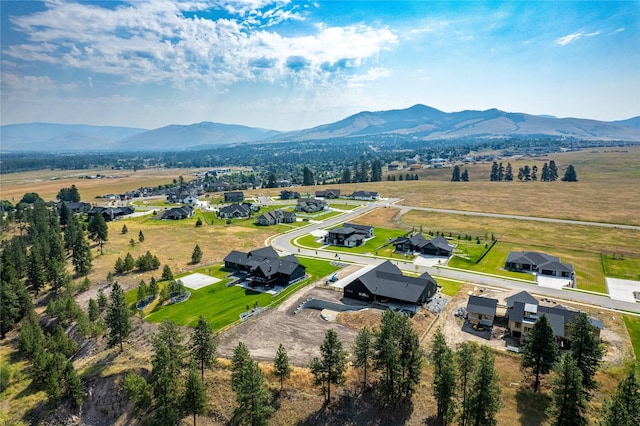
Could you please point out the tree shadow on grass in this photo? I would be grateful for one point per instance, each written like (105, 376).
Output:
(532, 407)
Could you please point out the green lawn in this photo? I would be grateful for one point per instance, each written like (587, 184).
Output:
(374, 245)
(633, 327)
(449, 287)
(470, 250)
(222, 305)
(343, 206)
(624, 267)
(492, 263)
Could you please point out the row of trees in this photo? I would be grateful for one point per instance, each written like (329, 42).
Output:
(457, 175)
(549, 173)
(146, 262)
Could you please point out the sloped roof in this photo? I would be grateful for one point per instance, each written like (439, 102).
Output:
(265, 260)
(441, 243)
(523, 297)
(482, 305)
(241, 208)
(386, 280)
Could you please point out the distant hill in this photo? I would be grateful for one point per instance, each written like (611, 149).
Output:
(431, 124)
(62, 137)
(418, 122)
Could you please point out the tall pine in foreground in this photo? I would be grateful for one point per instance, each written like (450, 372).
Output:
(167, 365)
(466, 362)
(281, 367)
(586, 349)
(330, 367)
(623, 408)
(444, 377)
(569, 400)
(118, 317)
(203, 345)
(248, 382)
(194, 399)
(484, 401)
(540, 350)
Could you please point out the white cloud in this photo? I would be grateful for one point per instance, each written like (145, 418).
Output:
(563, 41)
(155, 42)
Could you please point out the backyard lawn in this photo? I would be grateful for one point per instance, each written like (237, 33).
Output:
(633, 326)
(618, 266)
(382, 236)
(222, 305)
(491, 263)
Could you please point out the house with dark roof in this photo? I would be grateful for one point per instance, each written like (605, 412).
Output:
(276, 216)
(438, 246)
(523, 297)
(289, 195)
(349, 235)
(365, 195)
(386, 284)
(328, 193)
(263, 267)
(234, 197)
(109, 213)
(481, 310)
(541, 263)
(73, 206)
(522, 316)
(235, 211)
(310, 205)
(178, 213)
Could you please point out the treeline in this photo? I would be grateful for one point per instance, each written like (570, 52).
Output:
(549, 173)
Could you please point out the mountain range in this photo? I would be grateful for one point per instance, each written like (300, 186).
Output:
(417, 122)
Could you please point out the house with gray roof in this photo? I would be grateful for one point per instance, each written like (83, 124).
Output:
(481, 310)
(522, 316)
(109, 213)
(417, 243)
(310, 205)
(263, 267)
(276, 216)
(365, 195)
(178, 213)
(328, 193)
(386, 284)
(349, 235)
(234, 197)
(235, 211)
(289, 195)
(541, 263)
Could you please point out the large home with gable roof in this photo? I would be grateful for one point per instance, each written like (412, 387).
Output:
(349, 235)
(310, 205)
(276, 216)
(109, 213)
(523, 312)
(263, 267)
(328, 193)
(438, 246)
(481, 310)
(235, 211)
(385, 283)
(234, 197)
(178, 213)
(289, 195)
(365, 195)
(542, 263)
(73, 206)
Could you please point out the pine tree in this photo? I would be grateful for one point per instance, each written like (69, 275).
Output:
(466, 362)
(493, 177)
(98, 230)
(376, 171)
(281, 368)
(140, 236)
(153, 287)
(544, 175)
(129, 262)
(203, 345)
(196, 256)
(307, 177)
(553, 171)
(194, 399)
(500, 172)
(484, 401)
(444, 380)
(94, 311)
(570, 175)
(534, 173)
(586, 349)
(81, 255)
(455, 175)
(103, 302)
(253, 398)
(540, 350)
(165, 374)
(363, 352)
(124, 229)
(35, 271)
(526, 173)
(346, 175)
(330, 367)
(14, 298)
(167, 275)
(623, 408)
(508, 174)
(569, 400)
(118, 317)
(464, 176)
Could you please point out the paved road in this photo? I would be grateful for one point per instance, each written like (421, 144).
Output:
(283, 243)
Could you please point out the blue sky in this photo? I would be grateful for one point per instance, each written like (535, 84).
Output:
(289, 65)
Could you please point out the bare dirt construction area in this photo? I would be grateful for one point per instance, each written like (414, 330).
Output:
(301, 333)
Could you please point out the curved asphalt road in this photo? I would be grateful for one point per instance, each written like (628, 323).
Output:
(283, 243)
